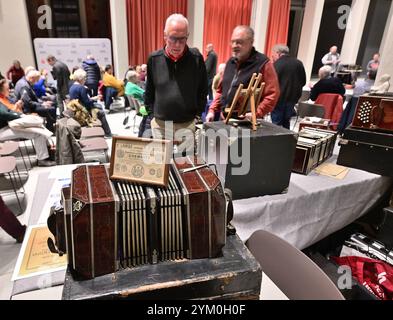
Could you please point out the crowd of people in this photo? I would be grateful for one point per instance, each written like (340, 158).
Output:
(176, 86)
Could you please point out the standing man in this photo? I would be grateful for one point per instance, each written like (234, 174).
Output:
(61, 74)
(332, 59)
(93, 71)
(15, 72)
(176, 86)
(239, 69)
(292, 78)
(211, 68)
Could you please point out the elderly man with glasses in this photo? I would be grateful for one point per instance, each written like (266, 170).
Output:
(239, 69)
(176, 85)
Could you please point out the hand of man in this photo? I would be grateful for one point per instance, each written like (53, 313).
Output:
(249, 116)
(47, 104)
(19, 106)
(210, 117)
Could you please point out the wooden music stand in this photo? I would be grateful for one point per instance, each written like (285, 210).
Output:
(249, 97)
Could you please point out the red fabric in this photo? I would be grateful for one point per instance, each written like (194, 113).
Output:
(14, 74)
(9, 222)
(375, 275)
(146, 22)
(271, 92)
(221, 17)
(278, 24)
(333, 104)
(173, 58)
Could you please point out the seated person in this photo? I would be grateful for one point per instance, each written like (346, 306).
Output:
(79, 91)
(31, 103)
(41, 90)
(132, 88)
(40, 135)
(114, 87)
(10, 223)
(327, 84)
(364, 86)
(373, 64)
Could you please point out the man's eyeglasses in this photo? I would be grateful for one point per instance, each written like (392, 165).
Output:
(173, 40)
(240, 42)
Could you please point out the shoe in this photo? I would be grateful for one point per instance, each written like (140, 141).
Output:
(46, 163)
(22, 236)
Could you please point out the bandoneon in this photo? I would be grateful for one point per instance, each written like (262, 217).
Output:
(116, 224)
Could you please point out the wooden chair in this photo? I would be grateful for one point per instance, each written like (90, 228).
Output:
(247, 100)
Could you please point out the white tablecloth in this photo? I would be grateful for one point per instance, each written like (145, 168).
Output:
(314, 207)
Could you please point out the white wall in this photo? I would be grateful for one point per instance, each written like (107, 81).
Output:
(119, 37)
(386, 66)
(310, 31)
(259, 21)
(354, 31)
(196, 18)
(15, 36)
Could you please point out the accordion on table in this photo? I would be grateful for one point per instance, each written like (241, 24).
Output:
(115, 224)
(368, 143)
(312, 123)
(314, 147)
(374, 112)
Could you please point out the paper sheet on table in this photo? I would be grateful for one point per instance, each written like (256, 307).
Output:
(332, 170)
(54, 198)
(35, 258)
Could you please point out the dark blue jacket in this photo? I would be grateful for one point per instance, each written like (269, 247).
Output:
(79, 92)
(93, 72)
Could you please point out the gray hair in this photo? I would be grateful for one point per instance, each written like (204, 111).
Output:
(131, 75)
(79, 75)
(247, 29)
(176, 17)
(32, 74)
(281, 49)
(221, 67)
(28, 69)
(325, 72)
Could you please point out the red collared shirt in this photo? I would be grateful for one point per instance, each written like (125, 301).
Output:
(175, 59)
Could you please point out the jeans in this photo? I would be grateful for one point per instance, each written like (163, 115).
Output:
(282, 114)
(105, 125)
(49, 114)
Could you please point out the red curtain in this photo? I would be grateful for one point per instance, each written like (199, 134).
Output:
(277, 28)
(146, 23)
(221, 17)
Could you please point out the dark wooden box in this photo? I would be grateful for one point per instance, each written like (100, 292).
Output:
(367, 150)
(235, 275)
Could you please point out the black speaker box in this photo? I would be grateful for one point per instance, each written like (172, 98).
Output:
(250, 163)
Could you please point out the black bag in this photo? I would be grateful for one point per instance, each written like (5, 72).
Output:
(56, 226)
(367, 150)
